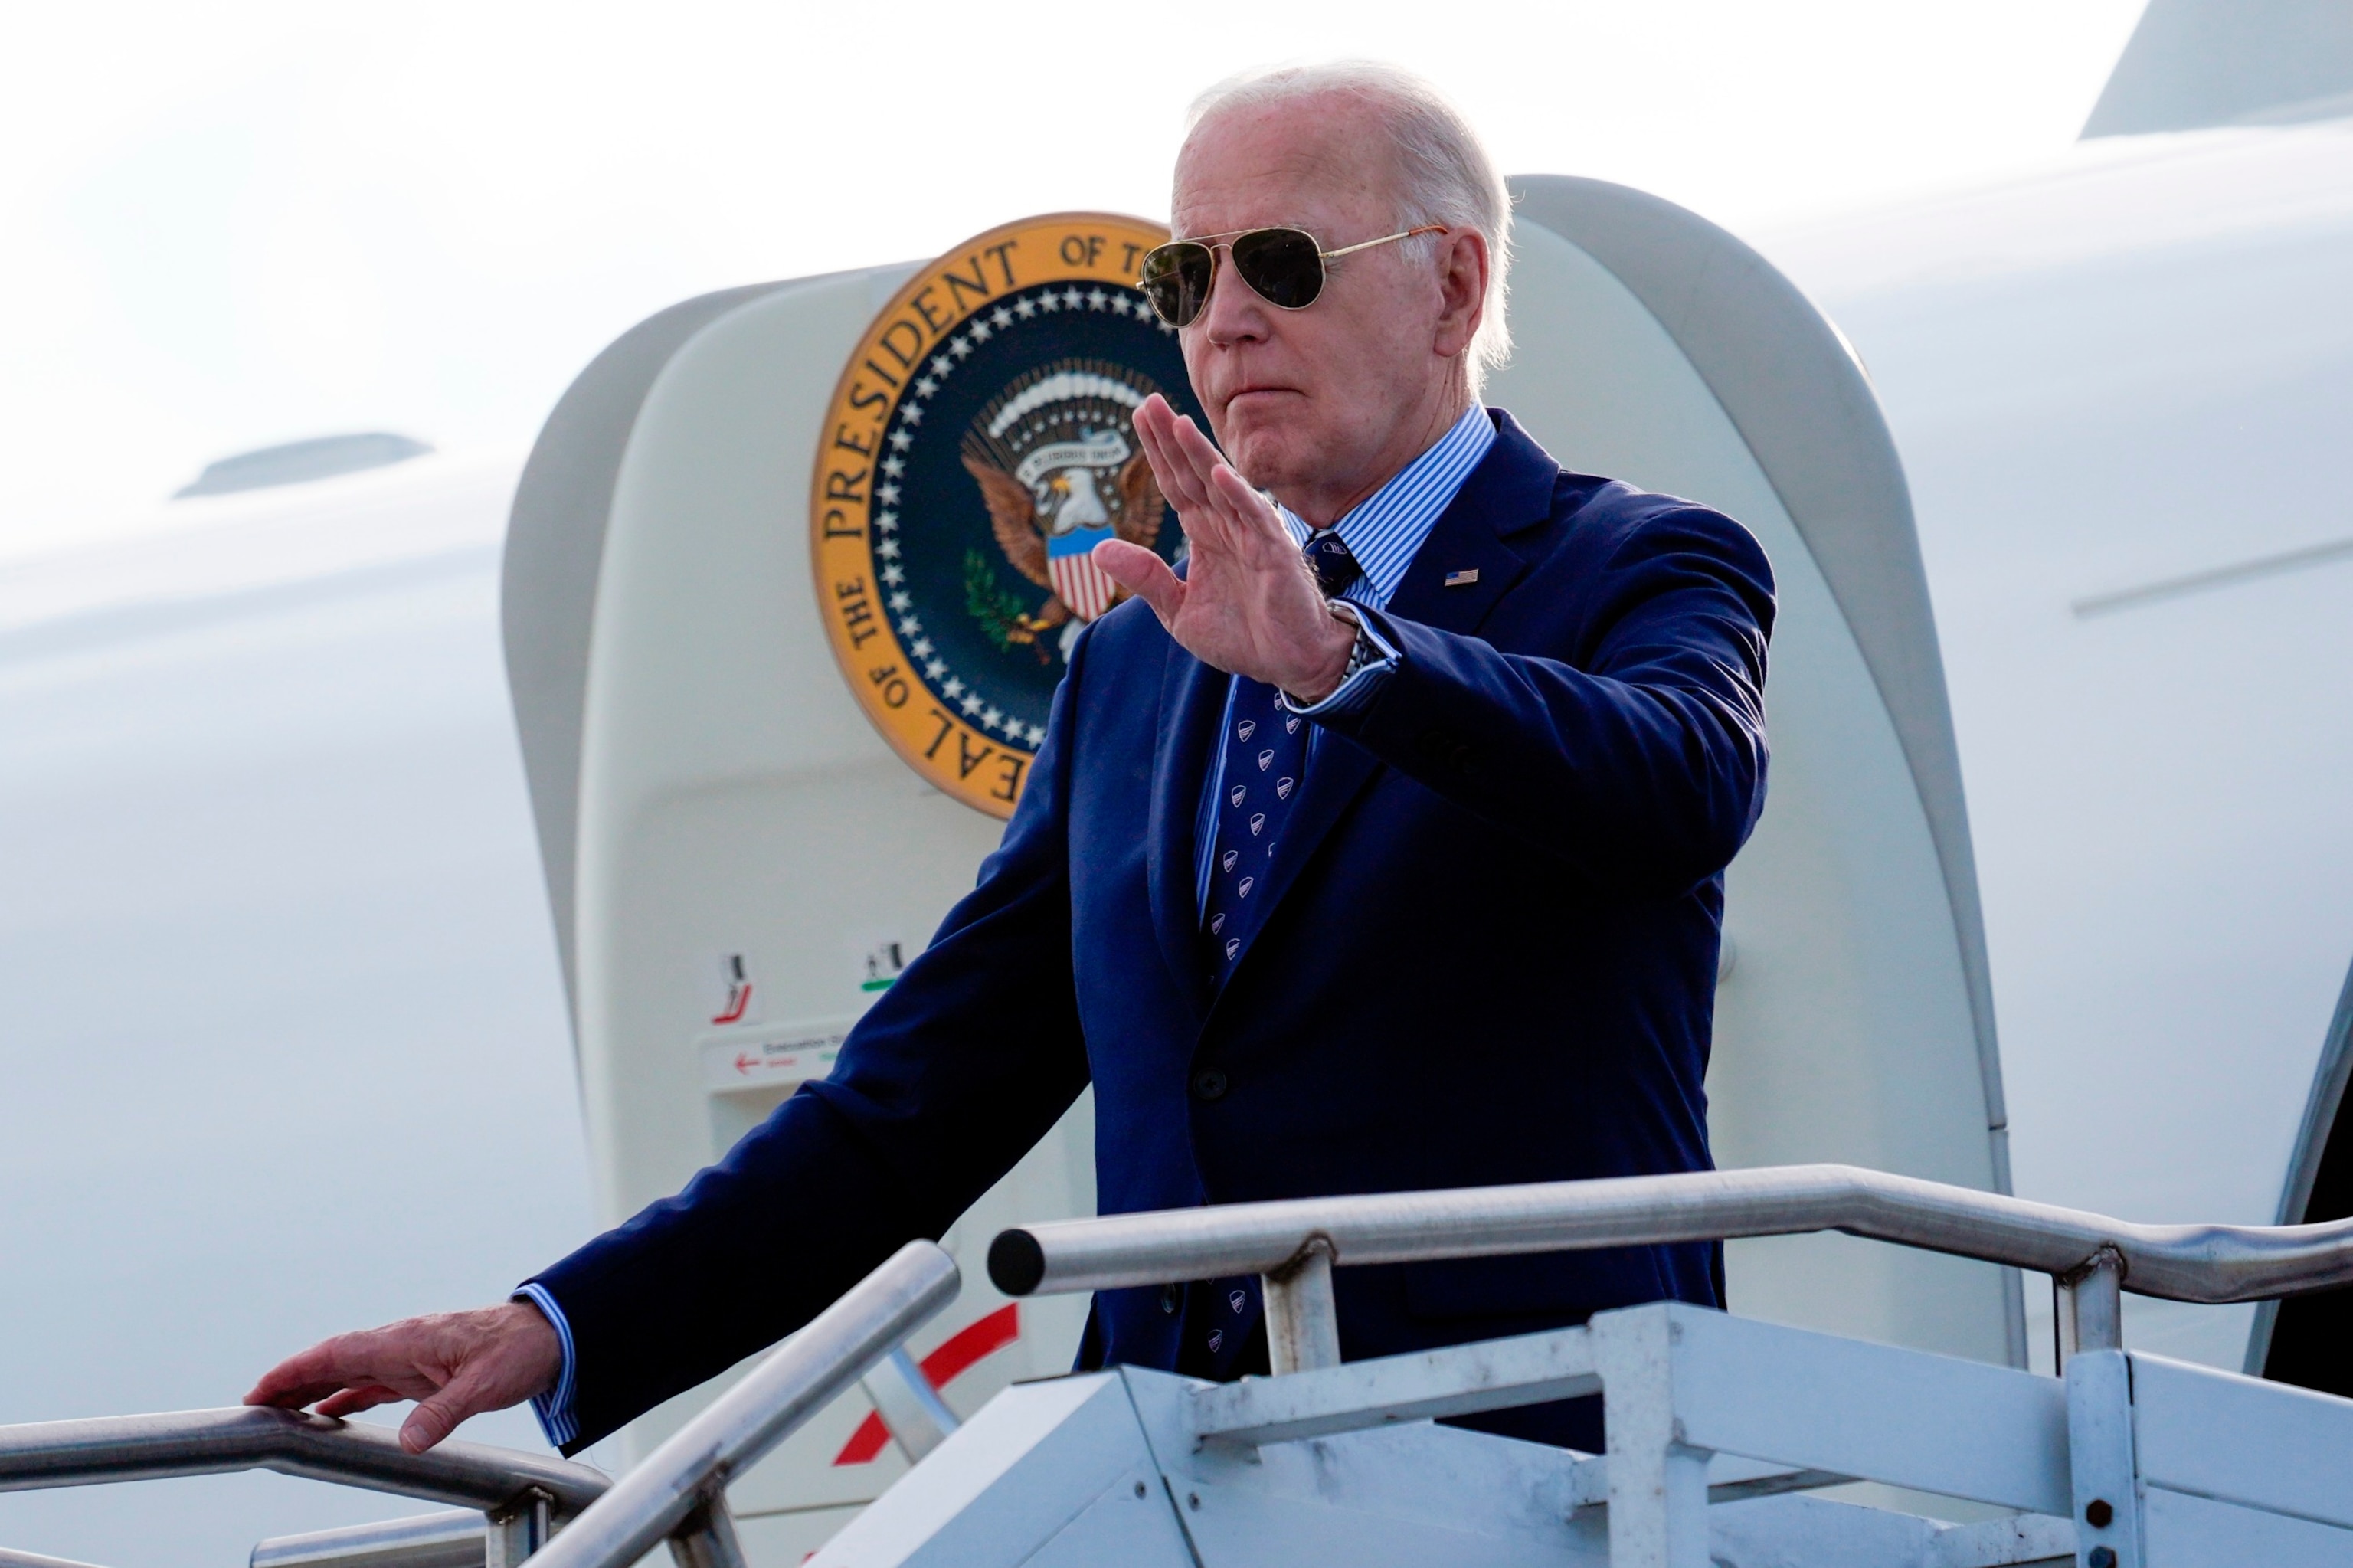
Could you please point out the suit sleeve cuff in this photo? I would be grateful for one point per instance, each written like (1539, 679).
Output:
(1372, 665)
(558, 1421)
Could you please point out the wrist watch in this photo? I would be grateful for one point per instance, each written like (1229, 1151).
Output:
(1364, 652)
(1361, 652)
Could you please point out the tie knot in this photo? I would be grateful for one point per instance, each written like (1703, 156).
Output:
(1329, 559)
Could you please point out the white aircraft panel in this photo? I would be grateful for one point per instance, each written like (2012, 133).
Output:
(2114, 379)
(282, 1030)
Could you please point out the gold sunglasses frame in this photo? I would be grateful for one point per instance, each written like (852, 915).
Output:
(1213, 243)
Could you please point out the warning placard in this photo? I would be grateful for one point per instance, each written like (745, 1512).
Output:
(770, 1055)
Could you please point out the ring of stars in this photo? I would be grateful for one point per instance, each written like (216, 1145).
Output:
(977, 329)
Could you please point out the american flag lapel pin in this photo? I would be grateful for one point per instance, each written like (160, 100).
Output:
(1463, 578)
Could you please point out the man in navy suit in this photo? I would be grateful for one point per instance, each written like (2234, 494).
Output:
(1391, 862)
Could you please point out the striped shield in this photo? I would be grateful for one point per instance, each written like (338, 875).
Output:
(1069, 562)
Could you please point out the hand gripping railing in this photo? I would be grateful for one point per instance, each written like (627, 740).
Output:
(680, 1490)
(1295, 1243)
(522, 1495)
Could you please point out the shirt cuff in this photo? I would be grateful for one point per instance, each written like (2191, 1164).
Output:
(554, 1408)
(1370, 667)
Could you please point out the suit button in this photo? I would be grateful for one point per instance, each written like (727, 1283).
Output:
(1208, 1085)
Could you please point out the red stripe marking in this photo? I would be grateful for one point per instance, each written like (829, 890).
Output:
(742, 1001)
(965, 1346)
(1084, 586)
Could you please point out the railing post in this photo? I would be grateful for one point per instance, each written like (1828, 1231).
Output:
(2090, 1302)
(1658, 1486)
(706, 1538)
(2104, 1476)
(1302, 1321)
(919, 1420)
(516, 1531)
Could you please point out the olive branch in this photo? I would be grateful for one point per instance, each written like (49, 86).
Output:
(997, 609)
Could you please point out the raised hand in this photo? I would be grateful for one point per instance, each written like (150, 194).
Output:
(1248, 602)
(454, 1364)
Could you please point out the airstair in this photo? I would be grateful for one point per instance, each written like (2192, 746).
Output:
(1725, 1433)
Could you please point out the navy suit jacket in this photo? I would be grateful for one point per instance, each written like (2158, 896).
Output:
(1493, 960)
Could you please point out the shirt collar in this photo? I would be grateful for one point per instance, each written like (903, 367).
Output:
(1385, 531)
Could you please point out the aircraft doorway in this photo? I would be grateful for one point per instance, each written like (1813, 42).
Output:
(2308, 1340)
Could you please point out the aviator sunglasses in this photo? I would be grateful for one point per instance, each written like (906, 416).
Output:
(1283, 266)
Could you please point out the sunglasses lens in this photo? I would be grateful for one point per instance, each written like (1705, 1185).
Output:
(1285, 265)
(1176, 279)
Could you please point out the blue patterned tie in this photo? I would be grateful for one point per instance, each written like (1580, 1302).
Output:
(1266, 762)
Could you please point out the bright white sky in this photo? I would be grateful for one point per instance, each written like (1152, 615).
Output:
(252, 220)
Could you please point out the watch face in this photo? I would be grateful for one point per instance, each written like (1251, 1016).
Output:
(980, 444)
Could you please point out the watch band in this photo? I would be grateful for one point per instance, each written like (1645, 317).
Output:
(1363, 652)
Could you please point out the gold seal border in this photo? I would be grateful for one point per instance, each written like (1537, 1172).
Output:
(958, 757)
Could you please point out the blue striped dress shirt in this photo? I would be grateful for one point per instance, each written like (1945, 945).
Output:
(554, 1408)
(1384, 532)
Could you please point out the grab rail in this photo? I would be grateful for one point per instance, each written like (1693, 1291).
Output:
(523, 1497)
(34, 1560)
(679, 1489)
(679, 1492)
(423, 1541)
(259, 1438)
(1294, 1243)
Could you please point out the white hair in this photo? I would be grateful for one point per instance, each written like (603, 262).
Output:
(1444, 172)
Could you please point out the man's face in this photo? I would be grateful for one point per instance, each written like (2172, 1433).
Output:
(1307, 401)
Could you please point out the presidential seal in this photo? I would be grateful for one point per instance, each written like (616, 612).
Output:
(980, 444)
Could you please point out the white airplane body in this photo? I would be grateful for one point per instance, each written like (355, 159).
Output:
(291, 1039)
(2122, 384)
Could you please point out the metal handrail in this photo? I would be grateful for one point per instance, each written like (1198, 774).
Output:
(2180, 1262)
(1294, 1244)
(259, 1438)
(9, 1559)
(679, 1492)
(688, 1475)
(456, 1540)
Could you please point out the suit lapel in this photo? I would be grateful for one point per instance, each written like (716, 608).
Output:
(1508, 491)
(1192, 700)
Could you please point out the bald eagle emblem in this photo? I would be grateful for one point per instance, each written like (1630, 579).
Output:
(1056, 460)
